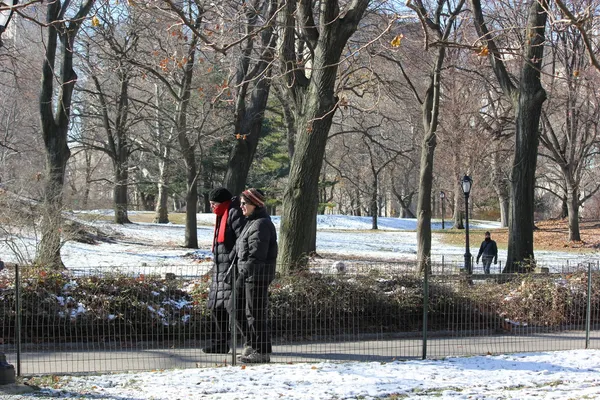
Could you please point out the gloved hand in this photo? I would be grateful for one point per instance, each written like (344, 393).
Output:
(477, 262)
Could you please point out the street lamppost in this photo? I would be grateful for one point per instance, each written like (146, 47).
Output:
(7, 371)
(442, 196)
(466, 184)
(6, 12)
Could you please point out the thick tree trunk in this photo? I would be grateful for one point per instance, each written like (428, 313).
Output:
(250, 128)
(314, 103)
(57, 155)
(301, 196)
(249, 115)
(527, 99)
(573, 210)
(55, 113)
(120, 199)
(521, 223)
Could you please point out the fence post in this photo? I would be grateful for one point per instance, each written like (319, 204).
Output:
(425, 310)
(232, 317)
(19, 314)
(442, 264)
(589, 307)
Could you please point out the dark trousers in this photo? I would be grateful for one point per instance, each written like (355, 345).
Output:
(487, 261)
(219, 329)
(252, 312)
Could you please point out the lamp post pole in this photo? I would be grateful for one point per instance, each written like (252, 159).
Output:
(442, 196)
(7, 371)
(466, 183)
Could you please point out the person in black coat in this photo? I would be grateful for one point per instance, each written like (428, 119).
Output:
(228, 227)
(488, 251)
(256, 250)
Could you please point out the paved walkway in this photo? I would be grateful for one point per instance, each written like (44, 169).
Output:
(89, 358)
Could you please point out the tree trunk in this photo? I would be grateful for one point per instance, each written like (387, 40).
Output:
(430, 109)
(249, 117)
(55, 114)
(424, 202)
(573, 210)
(374, 206)
(188, 147)
(191, 198)
(120, 190)
(300, 200)
(529, 107)
(314, 106)
(57, 155)
(250, 128)
(88, 179)
(527, 99)
(162, 212)
(162, 209)
(501, 188)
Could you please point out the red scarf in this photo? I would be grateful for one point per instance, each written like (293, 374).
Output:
(222, 211)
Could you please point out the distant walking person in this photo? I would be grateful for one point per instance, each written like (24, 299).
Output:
(488, 251)
(228, 227)
(257, 255)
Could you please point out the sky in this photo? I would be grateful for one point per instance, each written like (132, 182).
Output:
(152, 247)
(550, 375)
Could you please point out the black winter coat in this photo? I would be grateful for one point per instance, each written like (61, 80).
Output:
(257, 248)
(223, 254)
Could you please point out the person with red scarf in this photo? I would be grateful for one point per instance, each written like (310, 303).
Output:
(229, 224)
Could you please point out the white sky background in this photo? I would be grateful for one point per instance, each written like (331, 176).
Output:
(143, 247)
(552, 375)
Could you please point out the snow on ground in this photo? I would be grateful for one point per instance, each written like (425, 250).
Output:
(155, 248)
(551, 375)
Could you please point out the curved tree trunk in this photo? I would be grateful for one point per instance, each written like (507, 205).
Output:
(314, 106)
(55, 113)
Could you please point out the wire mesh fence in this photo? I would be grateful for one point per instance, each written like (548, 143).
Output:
(106, 319)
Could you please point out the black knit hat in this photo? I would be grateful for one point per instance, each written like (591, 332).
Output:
(220, 195)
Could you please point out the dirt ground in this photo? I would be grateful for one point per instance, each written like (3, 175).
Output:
(554, 235)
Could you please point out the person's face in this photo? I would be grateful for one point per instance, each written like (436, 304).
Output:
(213, 205)
(247, 208)
(487, 236)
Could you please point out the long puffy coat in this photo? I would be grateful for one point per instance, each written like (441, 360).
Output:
(257, 248)
(223, 255)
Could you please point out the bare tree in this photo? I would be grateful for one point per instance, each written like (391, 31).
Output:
(527, 99)
(55, 114)
(570, 128)
(310, 77)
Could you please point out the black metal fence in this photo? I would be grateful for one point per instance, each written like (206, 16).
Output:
(103, 319)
